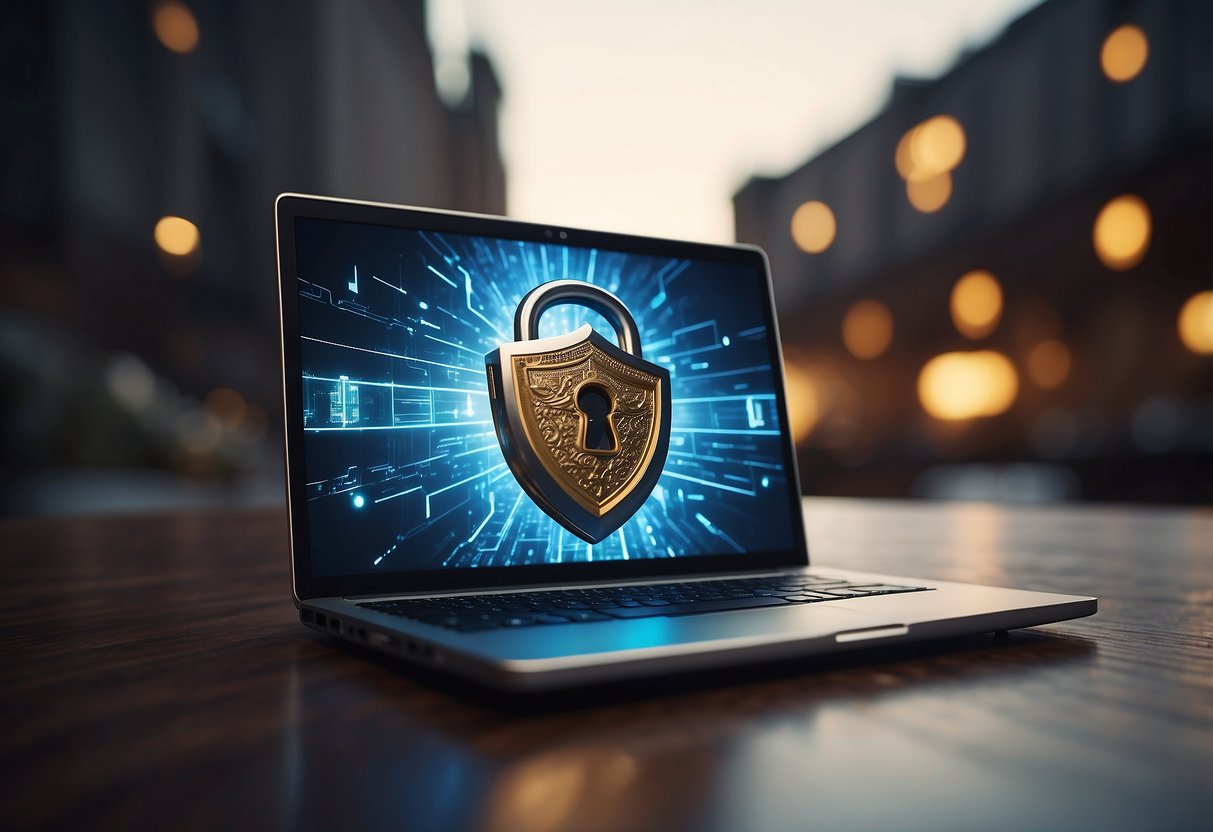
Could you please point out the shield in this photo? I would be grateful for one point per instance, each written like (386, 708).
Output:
(535, 388)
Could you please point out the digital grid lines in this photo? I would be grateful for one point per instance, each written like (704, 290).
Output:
(404, 469)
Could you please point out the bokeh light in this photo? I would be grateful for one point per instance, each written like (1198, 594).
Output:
(867, 329)
(226, 406)
(175, 26)
(930, 148)
(1049, 364)
(131, 381)
(902, 158)
(176, 235)
(1122, 232)
(929, 195)
(1124, 54)
(967, 385)
(813, 227)
(976, 303)
(1196, 323)
(804, 400)
(937, 145)
(925, 157)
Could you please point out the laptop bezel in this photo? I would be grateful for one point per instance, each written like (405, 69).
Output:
(306, 585)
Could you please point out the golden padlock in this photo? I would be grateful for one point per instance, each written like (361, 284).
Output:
(584, 424)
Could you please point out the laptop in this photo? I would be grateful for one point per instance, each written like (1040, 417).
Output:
(538, 457)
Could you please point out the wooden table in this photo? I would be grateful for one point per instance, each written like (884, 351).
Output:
(155, 676)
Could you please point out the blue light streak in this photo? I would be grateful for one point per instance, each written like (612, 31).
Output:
(421, 451)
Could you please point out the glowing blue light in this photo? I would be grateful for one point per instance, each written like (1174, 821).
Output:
(421, 435)
(766, 482)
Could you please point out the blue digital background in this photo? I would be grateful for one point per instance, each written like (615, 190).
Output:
(403, 467)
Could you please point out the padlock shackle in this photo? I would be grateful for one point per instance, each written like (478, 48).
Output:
(558, 292)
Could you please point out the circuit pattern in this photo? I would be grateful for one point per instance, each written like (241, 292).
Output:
(404, 470)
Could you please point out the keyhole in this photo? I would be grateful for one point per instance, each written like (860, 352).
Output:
(597, 436)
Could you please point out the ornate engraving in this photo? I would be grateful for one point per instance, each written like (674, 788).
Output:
(547, 385)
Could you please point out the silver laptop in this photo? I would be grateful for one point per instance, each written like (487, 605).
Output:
(537, 457)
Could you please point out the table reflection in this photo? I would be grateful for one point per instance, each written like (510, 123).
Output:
(659, 754)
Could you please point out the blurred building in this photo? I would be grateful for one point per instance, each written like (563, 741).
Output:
(1065, 172)
(115, 116)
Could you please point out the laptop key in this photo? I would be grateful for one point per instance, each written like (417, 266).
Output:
(567, 605)
(517, 621)
(694, 607)
(582, 615)
(462, 624)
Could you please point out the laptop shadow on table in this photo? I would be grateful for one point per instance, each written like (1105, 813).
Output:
(875, 671)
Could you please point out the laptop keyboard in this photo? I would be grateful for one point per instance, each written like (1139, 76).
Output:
(532, 609)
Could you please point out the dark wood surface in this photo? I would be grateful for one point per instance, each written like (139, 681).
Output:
(155, 676)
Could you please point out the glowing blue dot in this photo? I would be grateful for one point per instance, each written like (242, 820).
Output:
(725, 340)
(766, 481)
(423, 304)
(359, 501)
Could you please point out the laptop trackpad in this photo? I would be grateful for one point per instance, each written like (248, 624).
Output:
(762, 626)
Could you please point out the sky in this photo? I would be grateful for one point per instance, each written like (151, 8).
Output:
(645, 116)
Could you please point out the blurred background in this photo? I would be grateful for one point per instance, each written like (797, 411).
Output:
(990, 224)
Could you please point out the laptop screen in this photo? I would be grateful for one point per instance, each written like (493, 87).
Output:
(403, 469)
